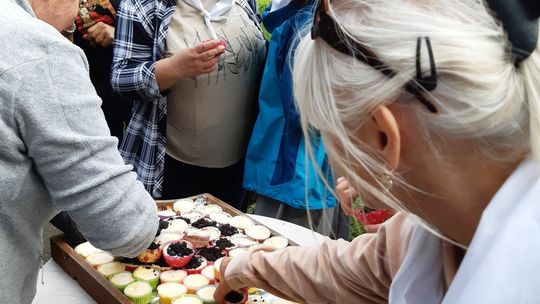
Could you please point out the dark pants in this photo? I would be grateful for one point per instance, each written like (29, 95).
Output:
(183, 180)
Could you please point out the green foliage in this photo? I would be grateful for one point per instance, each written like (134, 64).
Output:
(262, 5)
(355, 228)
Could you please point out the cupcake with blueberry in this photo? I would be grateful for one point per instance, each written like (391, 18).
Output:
(196, 265)
(211, 253)
(228, 230)
(199, 238)
(178, 253)
(225, 244)
(237, 297)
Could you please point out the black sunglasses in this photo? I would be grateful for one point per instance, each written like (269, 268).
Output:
(325, 27)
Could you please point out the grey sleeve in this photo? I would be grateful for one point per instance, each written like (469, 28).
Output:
(61, 123)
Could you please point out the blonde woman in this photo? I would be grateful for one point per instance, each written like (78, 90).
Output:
(432, 108)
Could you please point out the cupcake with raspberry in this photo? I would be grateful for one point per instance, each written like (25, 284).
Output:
(151, 254)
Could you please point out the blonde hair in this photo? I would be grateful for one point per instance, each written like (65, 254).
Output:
(481, 96)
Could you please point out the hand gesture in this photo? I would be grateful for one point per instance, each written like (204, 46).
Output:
(200, 59)
(346, 195)
(100, 34)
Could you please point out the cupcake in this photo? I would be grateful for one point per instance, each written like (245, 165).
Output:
(188, 299)
(86, 249)
(122, 279)
(195, 265)
(208, 272)
(211, 253)
(176, 226)
(257, 300)
(168, 292)
(178, 253)
(139, 292)
(206, 293)
(99, 258)
(243, 242)
(217, 269)
(166, 214)
(151, 255)
(147, 274)
(228, 230)
(236, 297)
(225, 244)
(193, 216)
(173, 276)
(236, 252)
(209, 209)
(107, 270)
(221, 218)
(258, 232)
(214, 233)
(194, 282)
(185, 205)
(278, 242)
(241, 222)
(204, 222)
(165, 238)
(199, 238)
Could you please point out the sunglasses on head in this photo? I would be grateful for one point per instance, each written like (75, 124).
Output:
(325, 27)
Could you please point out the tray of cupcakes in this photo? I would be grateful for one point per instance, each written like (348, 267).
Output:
(182, 265)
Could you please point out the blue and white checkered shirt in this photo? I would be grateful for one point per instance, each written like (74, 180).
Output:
(141, 32)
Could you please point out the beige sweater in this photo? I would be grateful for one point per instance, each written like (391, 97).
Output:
(360, 271)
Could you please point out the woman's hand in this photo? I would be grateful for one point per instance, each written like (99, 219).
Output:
(223, 287)
(346, 194)
(190, 62)
(100, 34)
(200, 59)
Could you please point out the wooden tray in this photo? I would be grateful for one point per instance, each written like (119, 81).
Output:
(99, 288)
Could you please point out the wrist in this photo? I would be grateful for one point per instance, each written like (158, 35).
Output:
(176, 66)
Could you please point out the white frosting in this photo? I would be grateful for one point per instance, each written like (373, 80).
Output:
(243, 242)
(241, 222)
(195, 281)
(258, 232)
(184, 205)
(237, 251)
(214, 232)
(173, 276)
(220, 217)
(166, 213)
(122, 278)
(209, 209)
(193, 216)
(278, 242)
(206, 293)
(188, 299)
(171, 290)
(208, 272)
(100, 258)
(146, 273)
(166, 237)
(138, 289)
(111, 268)
(85, 249)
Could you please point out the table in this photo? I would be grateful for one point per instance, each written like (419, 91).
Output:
(59, 288)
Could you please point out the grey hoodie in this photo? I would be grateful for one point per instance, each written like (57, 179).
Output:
(56, 153)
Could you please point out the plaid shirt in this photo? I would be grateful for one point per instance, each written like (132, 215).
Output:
(141, 32)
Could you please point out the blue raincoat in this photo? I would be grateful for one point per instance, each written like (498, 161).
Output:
(275, 160)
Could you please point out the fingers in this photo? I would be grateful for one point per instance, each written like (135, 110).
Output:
(207, 45)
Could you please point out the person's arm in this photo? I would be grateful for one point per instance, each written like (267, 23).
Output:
(60, 121)
(334, 272)
(135, 74)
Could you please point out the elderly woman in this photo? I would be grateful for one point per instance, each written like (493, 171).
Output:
(56, 151)
(192, 68)
(432, 108)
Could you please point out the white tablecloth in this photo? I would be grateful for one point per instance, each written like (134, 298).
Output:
(59, 288)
